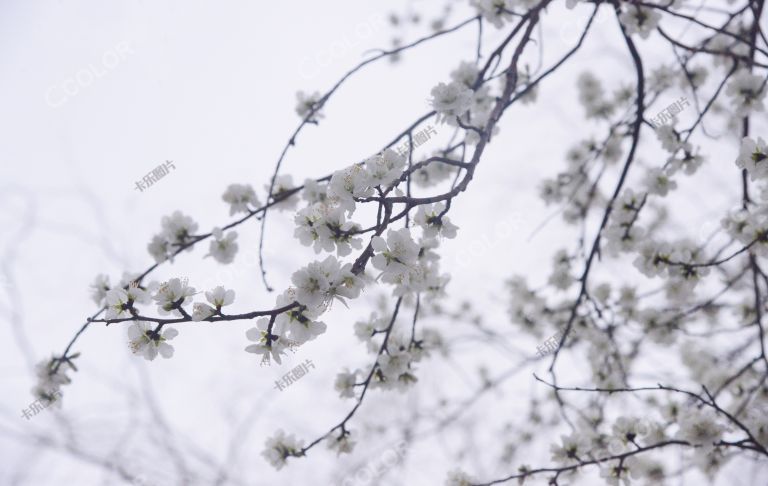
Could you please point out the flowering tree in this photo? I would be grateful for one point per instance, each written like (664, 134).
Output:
(379, 223)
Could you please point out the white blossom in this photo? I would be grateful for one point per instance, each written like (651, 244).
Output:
(700, 427)
(305, 103)
(572, 448)
(591, 96)
(281, 195)
(171, 295)
(458, 478)
(495, 11)
(241, 197)
(753, 156)
(146, 342)
(396, 253)
(747, 91)
(324, 228)
(450, 100)
(220, 297)
(223, 248)
(384, 168)
(345, 384)
(657, 182)
(201, 312)
(347, 184)
(281, 446)
(51, 375)
(342, 445)
(670, 139)
(640, 20)
(177, 231)
(100, 287)
(268, 344)
(465, 74)
(314, 192)
(427, 218)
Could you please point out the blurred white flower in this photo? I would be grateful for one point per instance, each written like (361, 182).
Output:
(747, 91)
(427, 218)
(241, 197)
(280, 447)
(639, 20)
(223, 248)
(450, 100)
(345, 384)
(305, 103)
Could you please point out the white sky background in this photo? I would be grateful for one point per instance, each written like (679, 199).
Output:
(211, 86)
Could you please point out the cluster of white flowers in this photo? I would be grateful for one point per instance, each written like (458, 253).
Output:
(120, 301)
(280, 447)
(451, 100)
(345, 383)
(396, 367)
(700, 427)
(433, 224)
(223, 248)
(730, 46)
(658, 182)
(640, 20)
(324, 227)
(688, 162)
(217, 298)
(562, 277)
(591, 96)
(497, 12)
(51, 375)
(298, 325)
(341, 445)
(572, 448)
(177, 230)
(628, 432)
(747, 91)
(622, 233)
(241, 198)
(459, 478)
(411, 267)
(172, 296)
(282, 196)
(678, 261)
(526, 307)
(319, 283)
(148, 342)
(748, 227)
(305, 103)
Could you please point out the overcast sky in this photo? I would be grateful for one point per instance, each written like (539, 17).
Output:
(94, 95)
